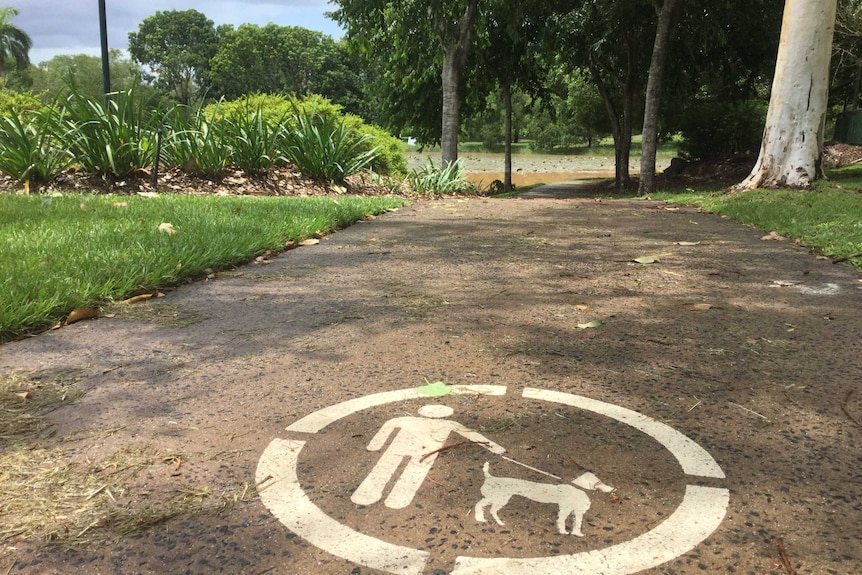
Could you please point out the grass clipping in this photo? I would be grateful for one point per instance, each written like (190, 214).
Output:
(50, 492)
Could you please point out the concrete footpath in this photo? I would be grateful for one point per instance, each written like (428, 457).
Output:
(526, 386)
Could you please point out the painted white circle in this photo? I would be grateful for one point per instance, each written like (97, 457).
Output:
(699, 514)
(435, 411)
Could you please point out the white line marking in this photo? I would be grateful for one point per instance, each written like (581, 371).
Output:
(314, 422)
(700, 513)
(693, 458)
(284, 497)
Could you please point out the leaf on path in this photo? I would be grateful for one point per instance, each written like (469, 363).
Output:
(309, 242)
(687, 243)
(167, 228)
(80, 314)
(436, 389)
(589, 325)
(647, 260)
(290, 245)
(773, 236)
(581, 307)
(137, 298)
(784, 283)
(701, 306)
(24, 395)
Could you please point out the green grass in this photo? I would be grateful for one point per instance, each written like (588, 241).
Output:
(60, 253)
(827, 218)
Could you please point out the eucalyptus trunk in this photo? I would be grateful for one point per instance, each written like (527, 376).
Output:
(792, 147)
(456, 46)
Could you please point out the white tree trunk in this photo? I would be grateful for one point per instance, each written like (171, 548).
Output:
(792, 147)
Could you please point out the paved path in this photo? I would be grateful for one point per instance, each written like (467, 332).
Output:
(715, 389)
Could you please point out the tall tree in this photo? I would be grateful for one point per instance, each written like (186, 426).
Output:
(665, 10)
(792, 148)
(399, 34)
(15, 44)
(53, 76)
(177, 46)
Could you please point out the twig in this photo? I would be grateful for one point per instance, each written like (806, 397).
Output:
(784, 559)
(847, 413)
(453, 446)
(843, 259)
(761, 416)
(9, 570)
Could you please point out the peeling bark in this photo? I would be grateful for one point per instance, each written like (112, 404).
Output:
(792, 147)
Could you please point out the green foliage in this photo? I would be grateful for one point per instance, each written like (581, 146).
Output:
(712, 129)
(110, 138)
(177, 46)
(15, 44)
(432, 180)
(195, 142)
(53, 77)
(324, 147)
(30, 146)
(255, 142)
(55, 257)
(20, 102)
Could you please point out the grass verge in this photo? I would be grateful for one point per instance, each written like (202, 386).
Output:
(827, 218)
(62, 253)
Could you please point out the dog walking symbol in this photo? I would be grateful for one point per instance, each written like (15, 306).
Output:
(420, 439)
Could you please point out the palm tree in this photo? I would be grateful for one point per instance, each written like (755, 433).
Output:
(15, 44)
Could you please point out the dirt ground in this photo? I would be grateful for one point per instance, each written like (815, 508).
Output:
(746, 346)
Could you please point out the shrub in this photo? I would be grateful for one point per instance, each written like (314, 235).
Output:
(325, 147)
(12, 101)
(432, 180)
(713, 129)
(195, 142)
(109, 136)
(31, 147)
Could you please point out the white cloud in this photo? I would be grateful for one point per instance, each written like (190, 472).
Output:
(72, 26)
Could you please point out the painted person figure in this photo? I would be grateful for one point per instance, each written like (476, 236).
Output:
(415, 438)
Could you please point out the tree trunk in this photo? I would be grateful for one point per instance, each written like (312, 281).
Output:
(507, 101)
(665, 12)
(792, 147)
(456, 45)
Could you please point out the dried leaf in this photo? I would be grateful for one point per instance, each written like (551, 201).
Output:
(581, 307)
(148, 194)
(80, 314)
(701, 306)
(167, 228)
(647, 260)
(137, 298)
(687, 243)
(436, 389)
(83, 207)
(309, 242)
(773, 236)
(589, 325)
(785, 283)
(24, 395)
(120, 204)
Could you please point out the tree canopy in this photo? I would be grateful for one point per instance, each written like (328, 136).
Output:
(177, 46)
(15, 44)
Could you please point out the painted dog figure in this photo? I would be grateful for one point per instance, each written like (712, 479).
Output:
(497, 491)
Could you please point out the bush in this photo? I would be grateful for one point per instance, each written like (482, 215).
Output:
(12, 101)
(195, 142)
(389, 157)
(713, 129)
(432, 180)
(31, 148)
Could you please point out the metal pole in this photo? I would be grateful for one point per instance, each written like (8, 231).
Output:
(103, 28)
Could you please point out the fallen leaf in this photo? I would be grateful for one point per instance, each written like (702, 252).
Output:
(137, 298)
(83, 207)
(290, 245)
(148, 194)
(24, 395)
(647, 260)
(120, 204)
(80, 314)
(167, 228)
(589, 325)
(309, 242)
(772, 236)
(785, 283)
(436, 389)
(701, 306)
(581, 307)
(687, 243)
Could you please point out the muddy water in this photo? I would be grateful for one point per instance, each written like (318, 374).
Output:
(483, 168)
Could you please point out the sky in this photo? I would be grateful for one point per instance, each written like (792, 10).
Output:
(72, 26)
